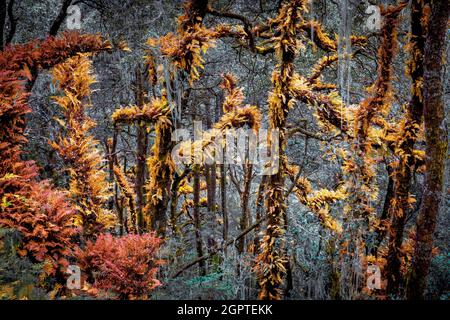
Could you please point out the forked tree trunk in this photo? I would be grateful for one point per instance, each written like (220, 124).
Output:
(436, 147)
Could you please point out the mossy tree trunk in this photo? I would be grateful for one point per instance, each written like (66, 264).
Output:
(399, 204)
(436, 146)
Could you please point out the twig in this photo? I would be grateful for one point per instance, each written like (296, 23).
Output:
(213, 252)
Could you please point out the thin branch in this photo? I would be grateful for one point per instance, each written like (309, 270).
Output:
(3, 9)
(307, 133)
(244, 20)
(213, 252)
(12, 22)
(56, 25)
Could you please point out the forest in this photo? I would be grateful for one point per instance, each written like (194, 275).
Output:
(224, 150)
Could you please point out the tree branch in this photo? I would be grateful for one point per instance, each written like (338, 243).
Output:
(213, 252)
(307, 133)
(2, 21)
(12, 21)
(60, 18)
(244, 20)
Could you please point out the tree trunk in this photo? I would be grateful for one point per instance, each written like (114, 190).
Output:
(399, 205)
(436, 146)
(223, 196)
(289, 264)
(272, 257)
(334, 276)
(197, 219)
(259, 211)
(112, 161)
(141, 153)
(210, 175)
(174, 203)
(380, 232)
(245, 217)
(162, 178)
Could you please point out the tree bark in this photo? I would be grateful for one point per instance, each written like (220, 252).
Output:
(110, 147)
(141, 153)
(272, 258)
(245, 216)
(381, 231)
(174, 203)
(163, 177)
(210, 175)
(223, 198)
(436, 147)
(399, 205)
(259, 211)
(197, 219)
(223, 247)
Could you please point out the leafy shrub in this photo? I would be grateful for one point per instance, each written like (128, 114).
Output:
(19, 277)
(126, 266)
(44, 220)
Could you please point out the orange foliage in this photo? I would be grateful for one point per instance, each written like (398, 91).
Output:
(126, 266)
(41, 214)
(51, 51)
(150, 113)
(88, 186)
(129, 195)
(44, 219)
(270, 263)
(380, 98)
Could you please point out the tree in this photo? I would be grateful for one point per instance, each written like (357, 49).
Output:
(310, 227)
(88, 186)
(404, 141)
(46, 230)
(272, 257)
(436, 149)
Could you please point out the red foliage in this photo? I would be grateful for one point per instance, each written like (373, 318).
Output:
(13, 107)
(44, 220)
(16, 175)
(40, 213)
(126, 266)
(44, 54)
